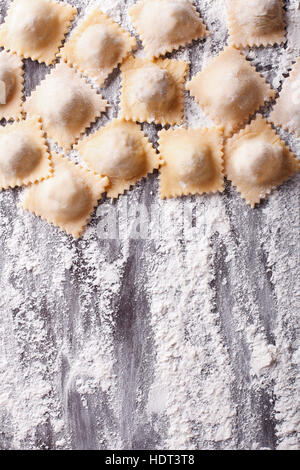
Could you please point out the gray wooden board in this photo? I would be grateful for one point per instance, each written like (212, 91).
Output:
(158, 342)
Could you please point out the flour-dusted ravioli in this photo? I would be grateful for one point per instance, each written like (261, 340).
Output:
(153, 91)
(97, 46)
(257, 161)
(230, 90)
(67, 105)
(256, 22)
(11, 86)
(35, 29)
(24, 156)
(68, 198)
(120, 151)
(165, 25)
(286, 111)
(193, 161)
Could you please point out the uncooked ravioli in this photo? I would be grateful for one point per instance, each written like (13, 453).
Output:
(165, 25)
(35, 29)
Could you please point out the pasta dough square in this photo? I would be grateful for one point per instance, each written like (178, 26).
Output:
(257, 161)
(97, 46)
(67, 105)
(153, 91)
(230, 90)
(193, 161)
(68, 198)
(11, 86)
(256, 23)
(24, 156)
(120, 151)
(286, 111)
(165, 25)
(35, 29)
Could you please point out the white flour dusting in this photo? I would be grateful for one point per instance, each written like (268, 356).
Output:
(187, 338)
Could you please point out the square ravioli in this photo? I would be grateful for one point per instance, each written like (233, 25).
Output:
(11, 86)
(230, 90)
(153, 91)
(256, 22)
(165, 25)
(68, 198)
(97, 46)
(257, 161)
(286, 111)
(24, 156)
(193, 161)
(120, 151)
(67, 104)
(35, 29)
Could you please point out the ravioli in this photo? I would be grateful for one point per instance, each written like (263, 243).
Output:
(166, 25)
(256, 22)
(120, 151)
(257, 161)
(35, 29)
(286, 111)
(230, 90)
(193, 161)
(24, 156)
(67, 105)
(97, 46)
(153, 91)
(11, 86)
(68, 198)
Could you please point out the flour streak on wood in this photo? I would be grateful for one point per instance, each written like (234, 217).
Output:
(184, 337)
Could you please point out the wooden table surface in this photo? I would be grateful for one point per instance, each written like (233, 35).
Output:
(179, 331)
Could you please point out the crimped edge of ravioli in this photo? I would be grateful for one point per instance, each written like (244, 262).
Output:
(100, 108)
(34, 124)
(255, 196)
(167, 64)
(285, 82)
(85, 174)
(234, 30)
(66, 52)
(233, 128)
(133, 13)
(48, 57)
(213, 188)
(118, 186)
(17, 103)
